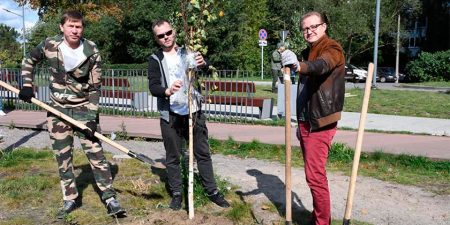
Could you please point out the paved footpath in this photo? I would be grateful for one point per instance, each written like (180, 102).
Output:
(436, 147)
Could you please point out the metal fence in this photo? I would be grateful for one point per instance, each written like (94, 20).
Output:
(126, 92)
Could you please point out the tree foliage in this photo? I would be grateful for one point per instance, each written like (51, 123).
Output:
(92, 10)
(430, 67)
(122, 29)
(121, 39)
(352, 22)
(191, 20)
(10, 53)
(234, 37)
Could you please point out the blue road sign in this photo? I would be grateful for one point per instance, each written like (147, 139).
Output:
(262, 34)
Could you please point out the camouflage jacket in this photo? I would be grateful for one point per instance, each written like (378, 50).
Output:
(78, 87)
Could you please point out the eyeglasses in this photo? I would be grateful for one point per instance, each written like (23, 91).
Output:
(161, 36)
(312, 27)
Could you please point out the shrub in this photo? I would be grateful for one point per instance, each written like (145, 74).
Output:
(430, 67)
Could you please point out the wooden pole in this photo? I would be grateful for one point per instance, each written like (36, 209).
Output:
(359, 140)
(287, 141)
(191, 149)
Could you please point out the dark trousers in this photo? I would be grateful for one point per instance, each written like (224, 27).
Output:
(173, 133)
(276, 74)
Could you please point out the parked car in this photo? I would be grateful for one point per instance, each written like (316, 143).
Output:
(387, 74)
(354, 74)
(404, 78)
(349, 75)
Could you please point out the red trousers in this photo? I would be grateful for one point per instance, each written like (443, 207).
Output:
(315, 146)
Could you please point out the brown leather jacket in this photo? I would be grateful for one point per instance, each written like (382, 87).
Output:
(325, 83)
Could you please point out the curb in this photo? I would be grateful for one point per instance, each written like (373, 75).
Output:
(422, 87)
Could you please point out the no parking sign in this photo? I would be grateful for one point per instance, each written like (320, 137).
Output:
(262, 42)
(262, 34)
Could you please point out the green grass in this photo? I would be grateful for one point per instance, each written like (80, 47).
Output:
(439, 84)
(401, 103)
(29, 188)
(30, 182)
(18, 220)
(14, 158)
(392, 102)
(402, 169)
(239, 213)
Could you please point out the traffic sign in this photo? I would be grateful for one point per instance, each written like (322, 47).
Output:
(262, 43)
(284, 34)
(262, 34)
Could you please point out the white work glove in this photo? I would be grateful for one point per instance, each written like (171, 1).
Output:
(288, 57)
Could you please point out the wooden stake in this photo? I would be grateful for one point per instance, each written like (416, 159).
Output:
(287, 140)
(191, 149)
(359, 140)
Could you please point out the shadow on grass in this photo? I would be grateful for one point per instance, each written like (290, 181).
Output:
(86, 178)
(24, 139)
(162, 174)
(274, 189)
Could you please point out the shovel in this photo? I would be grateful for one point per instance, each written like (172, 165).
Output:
(359, 141)
(80, 125)
(287, 140)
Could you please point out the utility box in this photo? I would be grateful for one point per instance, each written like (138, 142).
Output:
(281, 100)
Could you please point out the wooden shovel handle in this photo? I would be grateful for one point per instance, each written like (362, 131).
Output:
(359, 140)
(67, 118)
(287, 140)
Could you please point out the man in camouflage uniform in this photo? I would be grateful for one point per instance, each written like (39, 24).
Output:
(75, 91)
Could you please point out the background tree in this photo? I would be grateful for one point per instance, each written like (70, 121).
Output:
(351, 23)
(234, 37)
(10, 53)
(122, 29)
(92, 10)
(286, 16)
(136, 35)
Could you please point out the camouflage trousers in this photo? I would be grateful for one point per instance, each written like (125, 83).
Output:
(62, 136)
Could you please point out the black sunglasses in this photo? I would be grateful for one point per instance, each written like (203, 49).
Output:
(161, 36)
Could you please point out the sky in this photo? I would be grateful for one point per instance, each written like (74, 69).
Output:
(15, 21)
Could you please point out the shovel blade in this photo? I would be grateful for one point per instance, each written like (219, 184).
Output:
(143, 158)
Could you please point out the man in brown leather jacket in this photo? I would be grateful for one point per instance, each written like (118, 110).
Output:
(320, 99)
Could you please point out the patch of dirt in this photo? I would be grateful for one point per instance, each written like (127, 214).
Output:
(375, 201)
(167, 217)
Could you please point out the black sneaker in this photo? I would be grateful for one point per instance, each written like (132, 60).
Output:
(175, 203)
(218, 198)
(114, 208)
(68, 206)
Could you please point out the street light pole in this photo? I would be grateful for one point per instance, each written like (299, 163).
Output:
(23, 25)
(23, 29)
(397, 56)
(375, 50)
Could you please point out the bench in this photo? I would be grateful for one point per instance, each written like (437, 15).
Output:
(118, 91)
(239, 93)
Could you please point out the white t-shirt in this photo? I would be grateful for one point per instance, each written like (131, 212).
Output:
(177, 71)
(72, 57)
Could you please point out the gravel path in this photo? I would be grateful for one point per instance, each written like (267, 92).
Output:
(262, 182)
